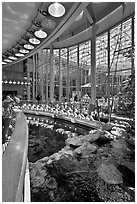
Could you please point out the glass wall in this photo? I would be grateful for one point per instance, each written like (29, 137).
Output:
(76, 61)
(101, 64)
(85, 67)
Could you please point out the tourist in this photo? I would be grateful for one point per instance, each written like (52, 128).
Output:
(38, 98)
(6, 116)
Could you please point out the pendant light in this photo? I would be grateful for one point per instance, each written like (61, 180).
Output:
(7, 60)
(34, 41)
(4, 63)
(56, 10)
(13, 58)
(24, 51)
(29, 46)
(19, 54)
(40, 33)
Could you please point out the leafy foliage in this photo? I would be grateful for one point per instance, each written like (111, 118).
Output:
(126, 102)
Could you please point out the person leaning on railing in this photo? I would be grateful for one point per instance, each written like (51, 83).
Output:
(6, 116)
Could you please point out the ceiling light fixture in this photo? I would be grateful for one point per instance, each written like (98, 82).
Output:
(4, 63)
(19, 54)
(48, 23)
(40, 33)
(13, 58)
(29, 47)
(7, 60)
(24, 51)
(79, 16)
(56, 10)
(10, 82)
(34, 41)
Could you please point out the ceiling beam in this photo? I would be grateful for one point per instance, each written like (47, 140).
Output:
(65, 23)
(90, 19)
(103, 25)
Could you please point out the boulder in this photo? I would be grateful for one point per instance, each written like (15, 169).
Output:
(110, 174)
(37, 174)
(51, 183)
(85, 148)
(91, 137)
(44, 159)
(37, 181)
(74, 142)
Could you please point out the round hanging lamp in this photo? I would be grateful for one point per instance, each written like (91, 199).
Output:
(13, 58)
(34, 41)
(40, 33)
(19, 54)
(10, 82)
(4, 63)
(56, 10)
(7, 60)
(48, 23)
(24, 51)
(29, 47)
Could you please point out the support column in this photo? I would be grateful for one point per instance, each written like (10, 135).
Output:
(67, 82)
(108, 77)
(93, 66)
(41, 62)
(78, 75)
(47, 83)
(60, 78)
(33, 84)
(51, 75)
(28, 86)
(36, 72)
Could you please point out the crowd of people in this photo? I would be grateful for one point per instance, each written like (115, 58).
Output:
(7, 113)
(75, 109)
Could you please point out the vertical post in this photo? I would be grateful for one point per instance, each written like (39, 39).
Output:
(47, 78)
(93, 66)
(41, 64)
(67, 84)
(78, 74)
(108, 90)
(60, 77)
(36, 72)
(33, 84)
(28, 86)
(51, 75)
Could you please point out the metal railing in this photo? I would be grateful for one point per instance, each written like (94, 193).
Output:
(14, 163)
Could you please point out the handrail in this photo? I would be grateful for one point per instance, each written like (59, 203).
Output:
(92, 124)
(27, 191)
(14, 161)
